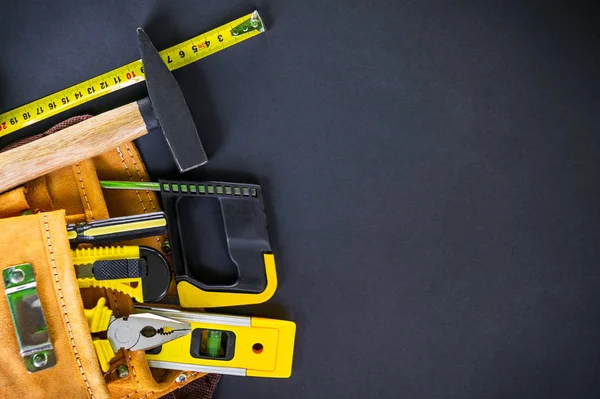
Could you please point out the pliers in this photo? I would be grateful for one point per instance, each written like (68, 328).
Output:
(140, 331)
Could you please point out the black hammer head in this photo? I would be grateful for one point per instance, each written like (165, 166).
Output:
(170, 108)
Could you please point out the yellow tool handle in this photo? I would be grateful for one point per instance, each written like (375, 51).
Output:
(175, 57)
(98, 319)
(85, 256)
(128, 286)
(104, 351)
(191, 296)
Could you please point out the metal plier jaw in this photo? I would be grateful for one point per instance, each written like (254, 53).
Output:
(144, 331)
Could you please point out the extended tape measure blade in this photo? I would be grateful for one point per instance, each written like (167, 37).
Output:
(174, 57)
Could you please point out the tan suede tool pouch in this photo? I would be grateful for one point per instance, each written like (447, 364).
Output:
(41, 240)
(72, 195)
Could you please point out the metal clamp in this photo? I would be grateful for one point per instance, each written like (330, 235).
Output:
(28, 318)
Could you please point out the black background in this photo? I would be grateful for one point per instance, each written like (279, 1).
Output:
(430, 168)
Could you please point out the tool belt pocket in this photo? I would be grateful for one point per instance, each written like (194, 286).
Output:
(47, 348)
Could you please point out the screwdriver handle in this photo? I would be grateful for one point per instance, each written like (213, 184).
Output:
(116, 229)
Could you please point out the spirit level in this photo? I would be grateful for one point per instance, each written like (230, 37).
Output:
(234, 345)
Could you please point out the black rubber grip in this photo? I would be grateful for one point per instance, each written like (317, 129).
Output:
(245, 228)
(119, 268)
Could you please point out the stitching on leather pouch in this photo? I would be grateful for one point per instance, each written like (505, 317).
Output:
(132, 393)
(137, 192)
(142, 179)
(140, 176)
(141, 397)
(114, 300)
(136, 380)
(192, 375)
(64, 308)
(133, 370)
(83, 189)
(145, 169)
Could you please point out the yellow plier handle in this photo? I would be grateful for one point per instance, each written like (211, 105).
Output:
(150, 287)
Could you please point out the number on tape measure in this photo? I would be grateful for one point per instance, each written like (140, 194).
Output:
(175, 57)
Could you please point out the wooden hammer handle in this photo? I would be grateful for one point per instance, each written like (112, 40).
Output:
(84, 140)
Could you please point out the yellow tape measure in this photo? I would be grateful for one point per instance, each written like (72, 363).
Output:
(175, 57)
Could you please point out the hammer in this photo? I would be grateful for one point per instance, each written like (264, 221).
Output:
(165, 107)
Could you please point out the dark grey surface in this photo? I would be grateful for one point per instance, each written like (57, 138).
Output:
(431, 172)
